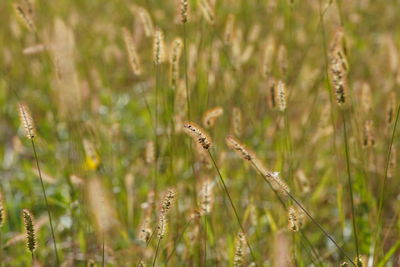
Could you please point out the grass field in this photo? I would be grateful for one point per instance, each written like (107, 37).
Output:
(199, 133)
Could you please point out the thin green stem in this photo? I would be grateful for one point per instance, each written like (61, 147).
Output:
(232, 205)
(177, 240)
(383, 187)
(156, 254)
(103, 253)
(45, 200)
(205, 239)
(186, 71)
(350, 184)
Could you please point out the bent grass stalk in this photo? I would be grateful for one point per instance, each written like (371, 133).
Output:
(46, 202)
(232, 205)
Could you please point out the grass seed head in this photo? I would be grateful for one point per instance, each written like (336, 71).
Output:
(27, 121)
(158, 47)
(239, 148)
(184, 8)
(207, 11)
(198, 134)
(30, 230)
(176, 52)
(131, 50)
(211, 115)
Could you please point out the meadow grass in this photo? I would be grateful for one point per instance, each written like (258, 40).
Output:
(130, 148)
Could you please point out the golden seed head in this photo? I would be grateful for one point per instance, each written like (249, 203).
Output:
(293, 219)
(131, 50)
(366, 96)
(229, 29)
(27, 121)
(26, 17)
(198, 134)
(238, 259)
(207, 11)
(145, 18)
(30, 230)
(206, 197)
(368, 138)
(168, 201)
(339, 78)
(145, 231)
(158, 47)
(184, 11)
(162, 225)
(211, 115)
(281, 90)
(176, 52)
(239, 148)
(150, 152)
(237, 124)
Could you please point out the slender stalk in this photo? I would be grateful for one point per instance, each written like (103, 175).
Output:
(205, 239)
(155, 130)
(158, 247)
(102, 254)
(383, 187)
(232, 206)
(45, 200)
(177, 240)
(185, 63)
(350, 184)
(1, 251)
(147, 244)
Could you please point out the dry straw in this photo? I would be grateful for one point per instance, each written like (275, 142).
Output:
(30, 230)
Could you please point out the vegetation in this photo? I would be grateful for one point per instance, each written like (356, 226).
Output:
(199, 133)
